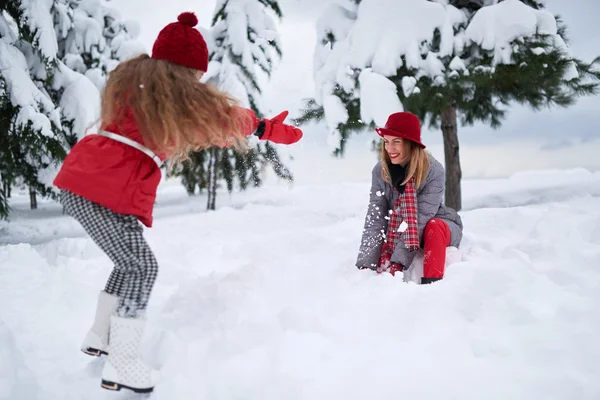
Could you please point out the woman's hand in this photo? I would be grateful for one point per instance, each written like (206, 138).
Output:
(392, 268)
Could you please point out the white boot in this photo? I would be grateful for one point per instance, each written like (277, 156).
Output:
(96, 340)
(124, 367)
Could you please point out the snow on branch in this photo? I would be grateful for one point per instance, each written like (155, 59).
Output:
(35, 106)
(37, 17)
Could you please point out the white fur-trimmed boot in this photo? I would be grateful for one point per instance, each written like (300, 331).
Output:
(96, 340)
(124, 367)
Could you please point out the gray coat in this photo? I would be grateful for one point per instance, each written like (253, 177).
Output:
(429, 203)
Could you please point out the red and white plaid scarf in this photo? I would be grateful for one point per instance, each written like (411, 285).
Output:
(405, 209)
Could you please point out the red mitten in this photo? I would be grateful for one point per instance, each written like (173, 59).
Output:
(392, 268)
(395, 268)
(276, 131)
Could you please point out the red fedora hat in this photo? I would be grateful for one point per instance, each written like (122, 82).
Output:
(403, 125)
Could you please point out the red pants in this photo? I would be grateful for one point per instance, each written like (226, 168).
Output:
(436, 238)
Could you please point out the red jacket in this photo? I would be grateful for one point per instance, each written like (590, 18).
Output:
(113, 174)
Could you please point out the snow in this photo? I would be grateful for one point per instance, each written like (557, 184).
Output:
(572, 72)
(237, 30)
(455, 16)
(8, 29)
(538, 51)
(80, 100)
(432, 65)
(129, 49)
(387, 35)
(408, 85)
(386, 30)
(35, 106)
(496, 26)
(335, 111)
(99, 33)
(39, 122)
(86, 34)
(377, 36)
(546, 23)
(96, 76)
(336, 20)
(457, 64)
(16, 380)
(280, 311)
(334, 140)
(241, 35)
(37, 16)
(378, 98)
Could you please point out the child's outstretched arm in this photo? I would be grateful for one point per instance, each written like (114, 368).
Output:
(272, 129)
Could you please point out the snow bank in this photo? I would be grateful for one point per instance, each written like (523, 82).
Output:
(16, 380)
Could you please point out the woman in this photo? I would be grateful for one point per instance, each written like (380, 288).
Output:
(154, 109)
(405, 209)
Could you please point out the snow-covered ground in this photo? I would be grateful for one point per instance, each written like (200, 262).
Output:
(260, 299)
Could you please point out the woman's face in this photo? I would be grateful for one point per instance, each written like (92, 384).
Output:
(396, 149)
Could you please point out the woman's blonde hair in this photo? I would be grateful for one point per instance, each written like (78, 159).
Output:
(173, 111)
(418, 164)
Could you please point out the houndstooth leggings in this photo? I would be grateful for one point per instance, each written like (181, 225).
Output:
(120, 237)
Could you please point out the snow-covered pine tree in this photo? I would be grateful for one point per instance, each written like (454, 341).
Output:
(32, 140)
(45, 105)
(243, 43)
(93, 38)
(445, 60)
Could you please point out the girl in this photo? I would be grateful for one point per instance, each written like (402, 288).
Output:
(406, 202)
(153, 109)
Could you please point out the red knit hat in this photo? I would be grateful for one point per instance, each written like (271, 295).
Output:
(180, 43)
(403, 125)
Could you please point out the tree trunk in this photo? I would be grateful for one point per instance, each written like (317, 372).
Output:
(32, 198)
(213, 162)
(451, 153)
(6, 189)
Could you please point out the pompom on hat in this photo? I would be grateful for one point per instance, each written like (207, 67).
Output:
(403, 125)
(181, 43)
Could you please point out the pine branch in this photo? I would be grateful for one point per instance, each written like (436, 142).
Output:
(221, 14)
(312, 112)
(273, 5)
(245, 72)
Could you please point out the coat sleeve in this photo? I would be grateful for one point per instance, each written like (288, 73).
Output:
(429, 199)
(376, 223)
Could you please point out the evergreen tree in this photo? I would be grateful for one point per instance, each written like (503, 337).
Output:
(466, 69)
(93, 38)
(33, 140)
(243, 44)
(46, 101)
